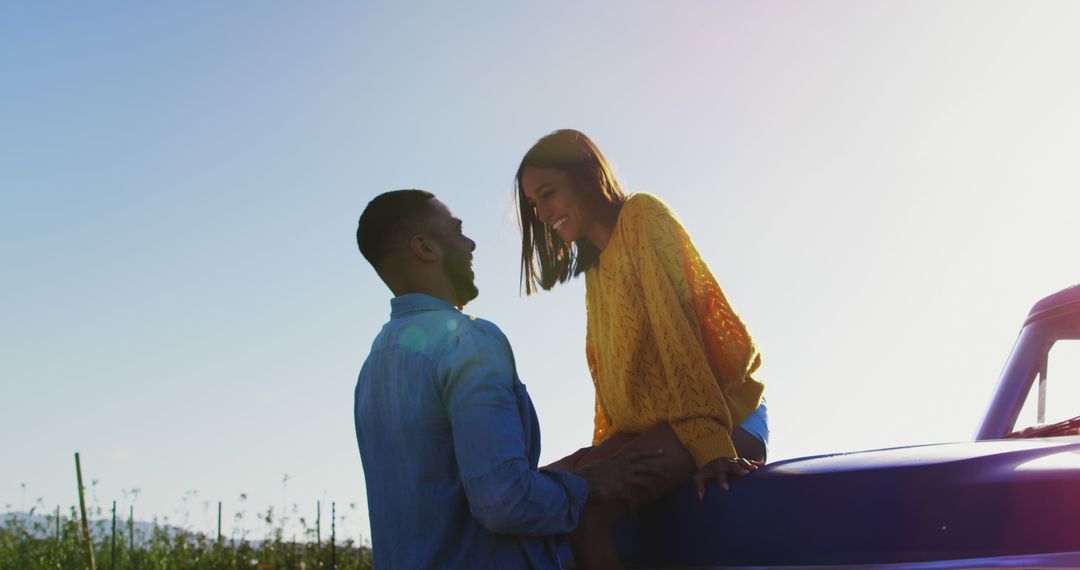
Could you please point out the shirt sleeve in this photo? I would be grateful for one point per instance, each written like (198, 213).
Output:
(671, 270)
(505, 493)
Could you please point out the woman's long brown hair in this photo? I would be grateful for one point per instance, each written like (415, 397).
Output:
(545, 258)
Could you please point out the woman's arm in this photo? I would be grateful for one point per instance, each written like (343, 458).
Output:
(600, 421)
(680, 296)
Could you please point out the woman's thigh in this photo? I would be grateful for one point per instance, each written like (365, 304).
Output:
(676, 460)
(605, 449)
(746, 445)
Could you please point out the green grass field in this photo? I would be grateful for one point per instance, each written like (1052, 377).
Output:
(41, 543)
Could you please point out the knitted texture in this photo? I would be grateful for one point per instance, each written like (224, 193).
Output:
(662, 343)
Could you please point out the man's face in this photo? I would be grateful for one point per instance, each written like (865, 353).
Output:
(457, 254)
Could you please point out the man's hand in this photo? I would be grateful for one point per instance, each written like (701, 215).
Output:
(569, 463)
(624, 476)
(719, 469)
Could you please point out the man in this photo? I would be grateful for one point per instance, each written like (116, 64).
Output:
(447, 433)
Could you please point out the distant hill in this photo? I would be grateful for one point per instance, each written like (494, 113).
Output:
(44, 526)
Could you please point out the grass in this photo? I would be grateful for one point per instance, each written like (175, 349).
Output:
(36, 545)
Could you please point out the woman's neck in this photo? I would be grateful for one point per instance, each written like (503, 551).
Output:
(602, 228)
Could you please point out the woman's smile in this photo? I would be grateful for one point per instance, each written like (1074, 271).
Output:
(557, 201)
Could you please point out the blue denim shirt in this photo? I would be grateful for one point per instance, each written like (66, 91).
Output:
(450, 443)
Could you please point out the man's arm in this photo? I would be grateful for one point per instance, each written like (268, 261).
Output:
(505, 494)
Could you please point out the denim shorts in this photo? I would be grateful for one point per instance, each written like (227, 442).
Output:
(757, 424)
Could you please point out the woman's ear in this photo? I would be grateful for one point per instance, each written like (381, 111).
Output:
(424, 248)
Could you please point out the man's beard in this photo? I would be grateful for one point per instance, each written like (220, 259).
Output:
(457, 271)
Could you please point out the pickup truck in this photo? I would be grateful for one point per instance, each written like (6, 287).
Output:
(1008, 499)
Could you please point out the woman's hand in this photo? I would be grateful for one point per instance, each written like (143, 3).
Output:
(719, 469)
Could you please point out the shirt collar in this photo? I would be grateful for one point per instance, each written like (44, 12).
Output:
(414, 302)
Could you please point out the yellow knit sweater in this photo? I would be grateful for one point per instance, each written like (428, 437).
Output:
(663, 344)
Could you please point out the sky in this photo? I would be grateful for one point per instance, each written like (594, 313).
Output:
(882, 189)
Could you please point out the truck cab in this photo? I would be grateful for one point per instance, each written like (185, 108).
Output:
(1046, 358)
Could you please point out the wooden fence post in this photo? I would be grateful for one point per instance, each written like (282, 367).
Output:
(112, 561)
(82, 511)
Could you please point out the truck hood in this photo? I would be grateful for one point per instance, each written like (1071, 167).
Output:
(909, 504)
(1011, 454)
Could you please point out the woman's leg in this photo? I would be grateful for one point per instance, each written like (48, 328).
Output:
(591, 541)
(747, 446)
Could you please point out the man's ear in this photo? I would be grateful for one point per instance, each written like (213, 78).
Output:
(424, 248)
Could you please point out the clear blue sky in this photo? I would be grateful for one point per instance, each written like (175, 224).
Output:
(882, 189)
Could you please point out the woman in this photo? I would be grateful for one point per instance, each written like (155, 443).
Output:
(671, 362)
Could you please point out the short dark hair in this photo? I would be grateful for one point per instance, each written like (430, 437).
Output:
(388, 218)
(545, 258)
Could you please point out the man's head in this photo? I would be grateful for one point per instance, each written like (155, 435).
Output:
(416, 246)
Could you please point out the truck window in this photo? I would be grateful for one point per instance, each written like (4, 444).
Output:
(1062, 386)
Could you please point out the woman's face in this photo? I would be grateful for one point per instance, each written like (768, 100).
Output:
(558, 202)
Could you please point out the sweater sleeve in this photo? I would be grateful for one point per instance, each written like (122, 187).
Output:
(668, 266)
(600, 422)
